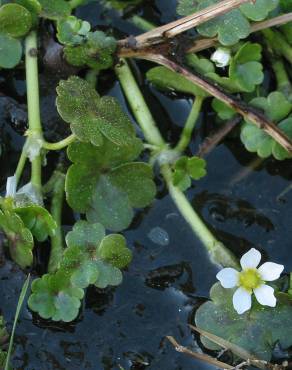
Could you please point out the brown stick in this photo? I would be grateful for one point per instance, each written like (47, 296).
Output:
(198, 356)
(211, 141)
(172, 29)
(250, 114)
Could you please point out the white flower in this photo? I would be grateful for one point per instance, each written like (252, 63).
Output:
(221, 57)
(251, 280)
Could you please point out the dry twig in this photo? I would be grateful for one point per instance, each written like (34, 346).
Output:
(199, 356)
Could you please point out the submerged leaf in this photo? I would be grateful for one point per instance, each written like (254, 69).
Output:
(72, 31)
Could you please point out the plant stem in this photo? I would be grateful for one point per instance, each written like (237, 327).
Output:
(283, 82)
(75, 3)
(138, 105)
(219, 253)
(34, 120)
(56, 211)
(190, 124)
(91, 77)
(20, 166)
(60, 144)
(142, 23)
(278, 43)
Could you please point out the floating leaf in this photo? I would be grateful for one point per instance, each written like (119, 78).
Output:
(200, 65)
(20, 240)
(15, 20)
(96, 53)
(256, 331)
(55, 9)
(93, 118)
(276, 107)
(33, 6)
(229, 27)
(93, 258)
(106, 187)
(10, 51)
(54, 297)
(186, 169)
(72, 31)
(38, 220)
(167, 80)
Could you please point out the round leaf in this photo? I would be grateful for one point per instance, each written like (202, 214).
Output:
(10, 51)
(15, 20)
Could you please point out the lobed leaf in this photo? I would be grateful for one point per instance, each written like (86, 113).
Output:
(96, 53)
(91, 118)
(186, 169)
(72, 31)
(256, 331)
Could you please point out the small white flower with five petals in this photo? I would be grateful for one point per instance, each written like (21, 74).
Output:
(251, 280)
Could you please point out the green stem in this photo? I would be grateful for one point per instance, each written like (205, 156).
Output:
(57, 246)
(283, 82)
(138, 105)
(91, 77)
(278, 43)
(219, 253)
(34, 120)
(60, 144)
(190, 124)
(75, 3)
(142, 23)
(20, 166)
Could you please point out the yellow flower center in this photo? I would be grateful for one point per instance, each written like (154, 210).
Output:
(250, 279)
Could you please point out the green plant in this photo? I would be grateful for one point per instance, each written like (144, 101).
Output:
(106, 180)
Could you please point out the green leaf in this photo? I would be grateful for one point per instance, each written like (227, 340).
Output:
(15, 20)
(200, 65)
(186, 169)
(276, 107)
(38, 220)
(167, 80)
(33, 6)
(10, 51)
(223, 111)
(103, 185)
(93, 118)
(20, 240)
(259, 10)
(232, 26)
(92, 258)
(245, 71)
(96, 53)
(72, 31)
(55, 9)
(121, 4)
(256, 331)
(113, 249)
(54, 297)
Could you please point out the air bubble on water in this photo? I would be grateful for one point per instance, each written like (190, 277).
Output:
(159, 236)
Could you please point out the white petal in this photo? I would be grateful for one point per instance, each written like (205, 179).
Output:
(228, 277)
(11, 186)
(250, 259)
(270, 271)
(265, 295)
(241, 300)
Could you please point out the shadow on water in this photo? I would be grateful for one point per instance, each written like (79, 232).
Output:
(171, 274)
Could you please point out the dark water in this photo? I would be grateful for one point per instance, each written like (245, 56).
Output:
(171, 274)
